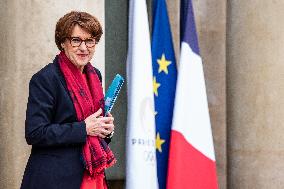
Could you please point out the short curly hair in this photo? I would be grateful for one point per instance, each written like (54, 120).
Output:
(66, 24)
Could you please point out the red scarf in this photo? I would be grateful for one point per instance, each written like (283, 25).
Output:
(87, 99)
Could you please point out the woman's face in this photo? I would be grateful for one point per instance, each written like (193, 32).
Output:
(82, 54)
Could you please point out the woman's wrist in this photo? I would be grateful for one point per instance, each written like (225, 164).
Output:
(110, 135)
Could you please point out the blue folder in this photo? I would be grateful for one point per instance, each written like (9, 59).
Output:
(112, 92)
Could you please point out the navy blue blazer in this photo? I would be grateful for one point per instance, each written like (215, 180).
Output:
(51, 127)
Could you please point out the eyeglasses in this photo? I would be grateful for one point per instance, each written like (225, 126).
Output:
(77, 41)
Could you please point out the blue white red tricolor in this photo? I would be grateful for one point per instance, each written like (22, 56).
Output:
(191, 159)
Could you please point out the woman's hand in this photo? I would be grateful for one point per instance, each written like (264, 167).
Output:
(111, 123)
(97, 125)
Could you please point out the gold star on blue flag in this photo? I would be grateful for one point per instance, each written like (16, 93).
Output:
(165, 74)
(159, 142)
(163, 64)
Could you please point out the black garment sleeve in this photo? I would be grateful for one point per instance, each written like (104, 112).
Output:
(39, 128)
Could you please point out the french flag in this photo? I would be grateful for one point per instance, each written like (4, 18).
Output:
(191, 157)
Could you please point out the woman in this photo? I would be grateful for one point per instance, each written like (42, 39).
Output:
(64, 120)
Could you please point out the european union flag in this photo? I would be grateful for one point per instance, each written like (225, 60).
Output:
(164, 83)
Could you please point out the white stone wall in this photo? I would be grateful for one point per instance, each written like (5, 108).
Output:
(27, 37)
